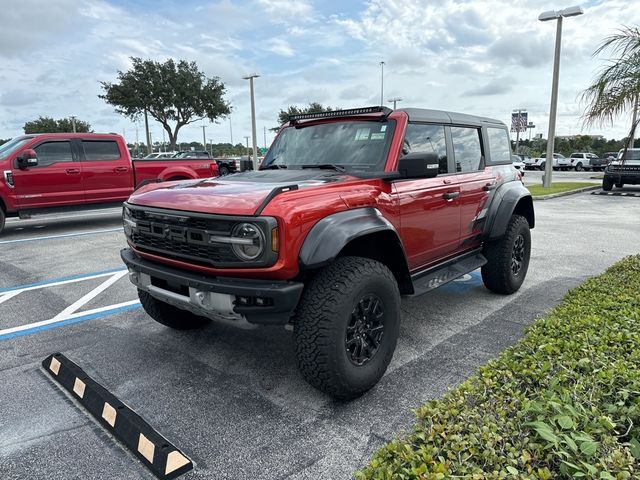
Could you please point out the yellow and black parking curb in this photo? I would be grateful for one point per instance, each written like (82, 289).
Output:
(160, 456)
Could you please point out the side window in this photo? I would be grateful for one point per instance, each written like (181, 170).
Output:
(53, 152)
(100, 150)
(428, 139)
(466, 148)
(499, 145)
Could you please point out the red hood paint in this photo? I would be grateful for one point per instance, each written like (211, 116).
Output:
(213, 195)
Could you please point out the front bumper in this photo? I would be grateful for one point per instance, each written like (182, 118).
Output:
(237, 301)
(632, 177)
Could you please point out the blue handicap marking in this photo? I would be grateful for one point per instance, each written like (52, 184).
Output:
(464, 283)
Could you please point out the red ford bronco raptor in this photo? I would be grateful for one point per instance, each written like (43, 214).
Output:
(349, 211)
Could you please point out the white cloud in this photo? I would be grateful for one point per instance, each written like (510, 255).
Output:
(280, 46)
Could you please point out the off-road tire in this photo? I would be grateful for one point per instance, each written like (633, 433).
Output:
(497, 274)
(168, 315)
(320, 327)
(607, 184)
(619, 185)
(2, 219)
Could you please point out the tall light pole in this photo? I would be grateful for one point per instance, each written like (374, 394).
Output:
(231, 130)
(381, 83)
(73, 123)
(530, 127)
(204, 138)
(544, 17)
(250, 77)
(394, 100)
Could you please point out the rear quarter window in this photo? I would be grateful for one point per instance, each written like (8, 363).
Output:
(499, 145)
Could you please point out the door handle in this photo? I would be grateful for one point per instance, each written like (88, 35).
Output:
(73, 171)
(488, 187)
(450, 196)
(121, 169)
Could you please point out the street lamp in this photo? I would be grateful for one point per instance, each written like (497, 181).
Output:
(250, 77)
(381, 83)
(530, 127)
(546, 16)
(394, 100)
(73, 123)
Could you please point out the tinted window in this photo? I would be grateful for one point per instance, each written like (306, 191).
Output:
(53, 152)
(11, 146)
(466, 148)
(427, 139)
(100, 150)
(499, 145)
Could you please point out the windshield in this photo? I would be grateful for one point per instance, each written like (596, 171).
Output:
(357, 146)
(11, 146)
(633, 155)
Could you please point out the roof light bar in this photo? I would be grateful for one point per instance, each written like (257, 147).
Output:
(340, 113)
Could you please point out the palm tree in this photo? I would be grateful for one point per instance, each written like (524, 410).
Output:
(617, 86)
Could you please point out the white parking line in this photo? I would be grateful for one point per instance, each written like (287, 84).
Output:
(64, 235)
(55, 283)
(90, 296)
(6, 296)
(95, 313)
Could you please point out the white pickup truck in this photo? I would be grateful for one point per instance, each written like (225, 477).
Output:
(539, 162)
(580, 161)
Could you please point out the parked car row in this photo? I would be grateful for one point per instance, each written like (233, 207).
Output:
(578, 161)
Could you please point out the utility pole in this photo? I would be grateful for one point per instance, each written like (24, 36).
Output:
(164, 148)
(146, 129)
(634, 120)
(73, 123)
(137, 148)
(211, 147)
(231, 131)
(395, 100)
(265, 136)
(247, 140)
(381, 83)
(530, 127)
(204, 138)
(253, 120)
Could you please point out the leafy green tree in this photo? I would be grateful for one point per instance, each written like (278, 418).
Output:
(175, 94)
(314, 107)
(617, 87)
(49, 125)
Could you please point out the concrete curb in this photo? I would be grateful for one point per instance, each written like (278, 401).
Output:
(570, 192)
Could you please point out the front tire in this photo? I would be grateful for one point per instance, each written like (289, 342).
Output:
(541, 168)
(579, 167)
(619, 185)
(347, 326)
(168, 315)
(607, 184)
(508, 258)
(3, 218)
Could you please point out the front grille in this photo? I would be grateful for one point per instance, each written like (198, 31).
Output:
(625, 168)
(187, 236)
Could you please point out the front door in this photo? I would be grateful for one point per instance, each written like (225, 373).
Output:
(107, 174)
(429, 207)
(55, 181)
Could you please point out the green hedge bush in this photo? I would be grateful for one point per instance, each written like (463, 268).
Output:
(564, 402)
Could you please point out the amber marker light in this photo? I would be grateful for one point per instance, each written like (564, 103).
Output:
(274, 240)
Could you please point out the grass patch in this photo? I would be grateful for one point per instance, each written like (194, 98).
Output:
(564, 402)
(539, 190)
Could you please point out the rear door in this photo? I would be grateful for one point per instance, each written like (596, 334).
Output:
(473, 180)
(55, 181)
(106, 170)
(429, 207)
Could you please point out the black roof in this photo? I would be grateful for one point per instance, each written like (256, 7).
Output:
(441, 116)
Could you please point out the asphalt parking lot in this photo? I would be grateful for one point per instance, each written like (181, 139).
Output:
(231, 399)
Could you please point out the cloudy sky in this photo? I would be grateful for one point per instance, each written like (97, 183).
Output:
(481, 57)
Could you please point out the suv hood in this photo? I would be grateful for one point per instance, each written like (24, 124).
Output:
(238, 194)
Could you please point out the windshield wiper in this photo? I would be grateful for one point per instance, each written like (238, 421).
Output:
(326, 166)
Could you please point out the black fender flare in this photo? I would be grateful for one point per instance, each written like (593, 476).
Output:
(505, 201)
(329, 236)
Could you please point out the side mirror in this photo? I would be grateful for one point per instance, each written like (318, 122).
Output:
(29, 158)
(419, 165)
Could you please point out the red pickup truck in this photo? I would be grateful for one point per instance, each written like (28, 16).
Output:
(61, 170)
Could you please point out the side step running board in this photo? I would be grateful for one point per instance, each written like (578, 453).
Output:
(441, 274)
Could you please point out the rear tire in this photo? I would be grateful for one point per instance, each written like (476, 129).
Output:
(347, 326)
(168, 315)
(2, 219)
(541, 168)
(607, 184)
(508, 258)
(224, 170)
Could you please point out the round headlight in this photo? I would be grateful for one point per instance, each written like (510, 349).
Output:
(249, 243)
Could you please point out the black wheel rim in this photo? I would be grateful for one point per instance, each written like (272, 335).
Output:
(365, 330)
(517, 255)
